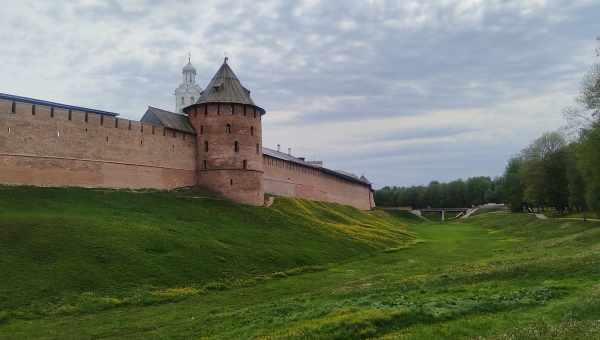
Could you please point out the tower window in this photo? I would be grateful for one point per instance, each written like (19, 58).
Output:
(257, 148)
(205, 110)
(228, 128)
(101, 119)
(51, 112)
(232, 109)
(205, 164)
(245, 109)
(252, 131)
(231, 182)
(245, 164)
(201, 129)
(236, 146)
(33, 110)
(86, 117)
(13, 108)
(71, 114)
(206, 146)
(116, 121)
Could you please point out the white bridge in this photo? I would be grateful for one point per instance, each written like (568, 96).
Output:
(443, 211)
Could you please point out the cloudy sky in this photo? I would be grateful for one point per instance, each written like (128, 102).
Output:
(404, 92)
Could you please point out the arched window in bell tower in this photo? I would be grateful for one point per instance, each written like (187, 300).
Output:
(228, 128)
(236, 146)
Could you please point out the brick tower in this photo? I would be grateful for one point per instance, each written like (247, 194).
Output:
(229, 139)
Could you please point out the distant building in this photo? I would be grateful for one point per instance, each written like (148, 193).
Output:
(213, 140)
(188, 91)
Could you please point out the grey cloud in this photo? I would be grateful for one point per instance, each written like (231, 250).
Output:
(386, 63)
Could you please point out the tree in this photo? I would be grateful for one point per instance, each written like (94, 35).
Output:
(541, 161)
(513, 187)
(455, 194)
(476, 187)
(434, 195)
(590, 92)
(588, 162)
(495, 193)
(556, 181)
(587, 109)
(548, 143)
(575, 180)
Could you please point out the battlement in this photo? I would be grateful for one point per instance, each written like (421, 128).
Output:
(118, 148)
(87, 120)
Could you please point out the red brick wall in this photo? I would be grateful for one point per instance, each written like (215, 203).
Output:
(102, 152)
(284, 178)
(224, 171)
(118, 153)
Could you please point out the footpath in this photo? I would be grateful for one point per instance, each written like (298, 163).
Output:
(544, 217)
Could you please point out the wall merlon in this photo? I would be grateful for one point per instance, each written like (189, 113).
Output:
(107, 122)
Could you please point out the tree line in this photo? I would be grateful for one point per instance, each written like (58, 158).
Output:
(553, 171)
(456, 194)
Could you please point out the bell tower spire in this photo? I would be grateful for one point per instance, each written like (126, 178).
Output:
(188, 91)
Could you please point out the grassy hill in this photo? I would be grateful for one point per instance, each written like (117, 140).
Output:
(59, 248)
(82, 264)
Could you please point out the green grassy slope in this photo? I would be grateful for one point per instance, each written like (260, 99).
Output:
(499, 276)
(58, 245)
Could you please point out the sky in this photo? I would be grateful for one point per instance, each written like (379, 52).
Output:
(403, 92)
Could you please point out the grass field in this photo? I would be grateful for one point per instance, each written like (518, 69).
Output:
(87, 264)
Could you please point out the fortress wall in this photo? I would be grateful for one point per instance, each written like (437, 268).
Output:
(285, 178)
(55, 147)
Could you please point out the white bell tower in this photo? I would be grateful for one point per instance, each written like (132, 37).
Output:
(188, 91)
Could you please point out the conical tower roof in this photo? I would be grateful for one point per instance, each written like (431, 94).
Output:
(225, 87)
